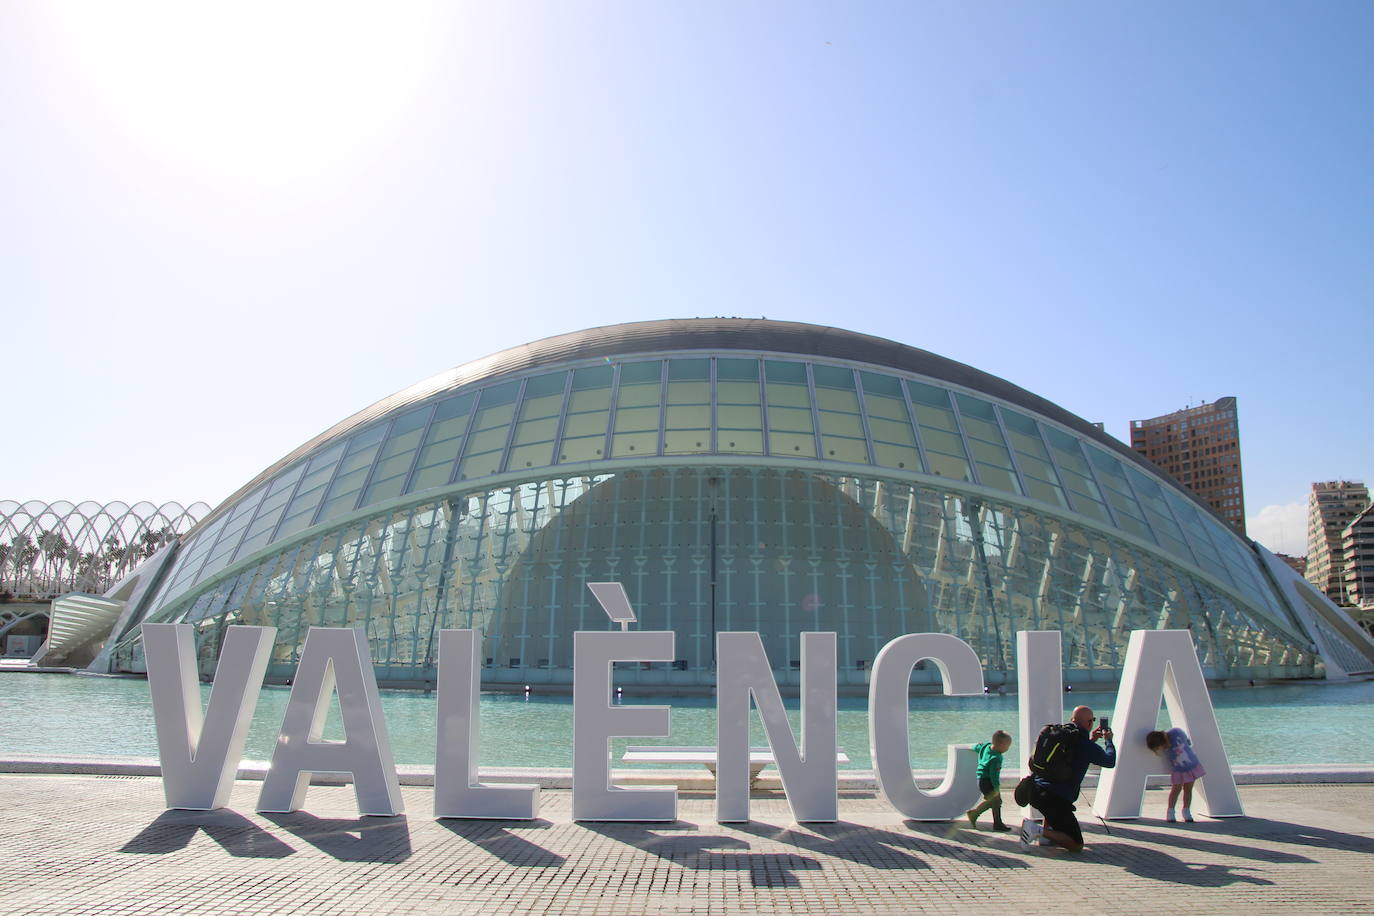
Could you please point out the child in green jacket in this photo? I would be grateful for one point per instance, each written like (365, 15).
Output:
(990, 779)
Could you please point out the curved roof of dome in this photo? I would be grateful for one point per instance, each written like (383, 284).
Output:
(713, 334)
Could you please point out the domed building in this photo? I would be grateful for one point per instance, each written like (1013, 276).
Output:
(734, 475)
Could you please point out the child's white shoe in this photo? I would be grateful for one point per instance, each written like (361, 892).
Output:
(1170, 816)
(1188, 815)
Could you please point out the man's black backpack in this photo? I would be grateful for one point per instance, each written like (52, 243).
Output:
(1055, 748)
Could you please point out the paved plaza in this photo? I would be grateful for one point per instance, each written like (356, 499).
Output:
(104, 844)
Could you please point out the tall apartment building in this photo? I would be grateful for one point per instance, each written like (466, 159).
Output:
(1331, 507)
(1357, 552)
(1200, 447)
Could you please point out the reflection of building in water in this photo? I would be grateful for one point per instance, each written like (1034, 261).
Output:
(734, 475)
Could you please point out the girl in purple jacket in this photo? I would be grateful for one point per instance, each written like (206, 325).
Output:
(1184, 767)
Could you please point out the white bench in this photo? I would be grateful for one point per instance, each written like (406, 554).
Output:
(759, 757)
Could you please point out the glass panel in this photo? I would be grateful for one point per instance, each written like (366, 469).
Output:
(397, 455)
(627, 445)
(231, 534)
(1110, 474)
(689, 381)
(1191, 521)
(190, 562)
(1073, 470)
(791, 432)
(741, 441)
(939, 432)
(490, 429)
(987, 444)
(1167, 532)
(687, 423)
(584, 428)
(638, 410)
(532, 441)
(529, 432)
(739, 414)
(310, 492)
(352, 474)
(894, 443)
(270, 512)
(842, 429)
(529, 456)
(442, 443)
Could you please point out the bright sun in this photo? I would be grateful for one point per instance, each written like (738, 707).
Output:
(258, 92)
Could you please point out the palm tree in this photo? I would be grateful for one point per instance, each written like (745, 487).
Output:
(54, 547)
(112, 556)
(25, 552)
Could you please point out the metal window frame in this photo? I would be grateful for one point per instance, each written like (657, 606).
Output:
(963, 439)
(915, 426)
(562, 418)
(367, 478)
(515, 417)
(257, 510)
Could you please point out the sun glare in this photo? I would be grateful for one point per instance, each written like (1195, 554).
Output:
(252, 92)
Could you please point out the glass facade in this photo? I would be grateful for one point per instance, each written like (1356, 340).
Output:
(708, 549)
(727, 489)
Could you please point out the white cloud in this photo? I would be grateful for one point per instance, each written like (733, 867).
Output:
(1283, 529)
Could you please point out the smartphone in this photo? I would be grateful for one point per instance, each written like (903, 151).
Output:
(1102, 723)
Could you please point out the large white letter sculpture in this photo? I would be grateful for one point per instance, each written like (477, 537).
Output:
(200, 751)
(457, 790)
(809, 778)
(1040, 685)
(888, 726)
(596, 721)
(1164, 662)
(333, 656)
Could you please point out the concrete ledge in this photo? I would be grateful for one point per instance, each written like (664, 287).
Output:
(690, 780)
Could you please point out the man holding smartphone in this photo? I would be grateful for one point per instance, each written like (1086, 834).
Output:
(1055, 799)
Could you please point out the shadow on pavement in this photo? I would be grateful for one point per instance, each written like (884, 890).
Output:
(362, 839)
(960, 838)
(703, 852)
(1259, 828)
(1197, 838)
(174, 830)
(883, 849)
(1157, 865)
(497, 838)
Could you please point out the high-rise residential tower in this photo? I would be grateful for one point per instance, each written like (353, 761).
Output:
(1200, 447)
(1331, 507)
(1357, 549)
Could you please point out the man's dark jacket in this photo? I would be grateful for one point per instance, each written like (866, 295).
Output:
(1086, 753)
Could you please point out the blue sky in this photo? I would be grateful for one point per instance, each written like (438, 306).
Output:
(222, 229)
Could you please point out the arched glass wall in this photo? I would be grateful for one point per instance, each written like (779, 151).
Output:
(702, 549)
(697, 408)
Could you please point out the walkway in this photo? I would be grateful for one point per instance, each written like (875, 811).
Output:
(104, 844)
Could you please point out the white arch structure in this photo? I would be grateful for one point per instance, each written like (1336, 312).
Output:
(53, 548)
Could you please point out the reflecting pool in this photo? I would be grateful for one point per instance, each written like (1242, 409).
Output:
(62, 715)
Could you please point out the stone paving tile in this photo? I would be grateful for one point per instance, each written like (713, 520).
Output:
(89, 844)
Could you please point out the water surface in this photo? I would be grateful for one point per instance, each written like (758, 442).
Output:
(60, 715)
